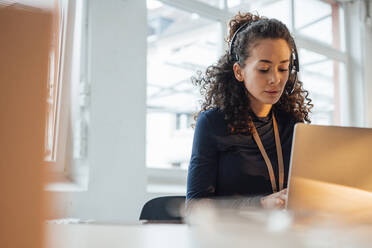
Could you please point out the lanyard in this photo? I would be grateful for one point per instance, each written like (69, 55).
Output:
(266, 158)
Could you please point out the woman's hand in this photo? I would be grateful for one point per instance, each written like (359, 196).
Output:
(275, 201)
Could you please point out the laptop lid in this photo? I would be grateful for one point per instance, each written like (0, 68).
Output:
(331, 170)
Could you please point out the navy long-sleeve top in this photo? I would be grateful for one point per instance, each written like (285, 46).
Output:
(232, 165)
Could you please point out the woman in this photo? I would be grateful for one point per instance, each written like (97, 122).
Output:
(253, 99)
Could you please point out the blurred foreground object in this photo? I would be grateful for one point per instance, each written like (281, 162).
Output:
(275, 228)
(211, 225)
(25, 36)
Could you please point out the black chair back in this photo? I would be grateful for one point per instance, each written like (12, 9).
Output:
(165, 209)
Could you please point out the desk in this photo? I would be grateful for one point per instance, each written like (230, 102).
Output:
(227, 234)
(115, 236)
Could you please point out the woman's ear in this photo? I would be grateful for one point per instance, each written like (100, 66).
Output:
(238, 72)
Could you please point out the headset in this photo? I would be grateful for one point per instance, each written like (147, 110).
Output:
(294, 65)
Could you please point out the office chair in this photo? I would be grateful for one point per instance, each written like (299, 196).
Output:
(165, 209)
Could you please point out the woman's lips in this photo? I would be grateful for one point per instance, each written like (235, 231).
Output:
(272, 92)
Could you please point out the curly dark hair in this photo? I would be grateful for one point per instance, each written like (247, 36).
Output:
(222, 90)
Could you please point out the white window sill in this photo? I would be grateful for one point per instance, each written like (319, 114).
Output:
(170, 181)
(166, 189)
(59, 182)
(64, 187)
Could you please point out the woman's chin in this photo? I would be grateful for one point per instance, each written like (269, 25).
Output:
(270, 100)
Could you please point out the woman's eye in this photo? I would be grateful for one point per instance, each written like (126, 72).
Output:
(266, 70)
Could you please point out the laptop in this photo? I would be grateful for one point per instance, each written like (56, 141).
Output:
(331, 171)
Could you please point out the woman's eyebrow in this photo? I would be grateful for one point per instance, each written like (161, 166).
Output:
(270, 62)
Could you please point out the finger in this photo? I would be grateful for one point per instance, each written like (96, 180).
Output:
(282, 204)
(283, 197)
(276, 194)
(279, 203)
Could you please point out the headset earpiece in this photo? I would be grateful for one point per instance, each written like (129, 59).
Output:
(294, 68)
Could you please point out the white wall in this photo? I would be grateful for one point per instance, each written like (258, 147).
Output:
(116, 150)
(118, 96)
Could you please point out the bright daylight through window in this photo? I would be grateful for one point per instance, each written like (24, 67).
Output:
(179, 44)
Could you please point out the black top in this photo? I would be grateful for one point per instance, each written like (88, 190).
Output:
(232, 165)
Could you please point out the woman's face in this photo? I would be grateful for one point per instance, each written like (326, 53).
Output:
(266, 71)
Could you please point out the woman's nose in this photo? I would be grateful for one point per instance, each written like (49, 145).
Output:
(274, 77)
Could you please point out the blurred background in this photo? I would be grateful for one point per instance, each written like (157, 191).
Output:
(120, 100)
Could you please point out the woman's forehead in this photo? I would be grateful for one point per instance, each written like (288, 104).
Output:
(270, 49)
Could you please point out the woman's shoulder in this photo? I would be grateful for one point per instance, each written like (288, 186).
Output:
(212, 114)
(214, 117)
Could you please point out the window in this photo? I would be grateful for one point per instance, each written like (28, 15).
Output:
(324, 25)
(214, 3)
(279, 9)
(321, 70)
(179, 44)
(321, 77)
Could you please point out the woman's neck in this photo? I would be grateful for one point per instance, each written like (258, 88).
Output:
(261, 110)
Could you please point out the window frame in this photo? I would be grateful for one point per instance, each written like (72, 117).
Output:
(69, 169)
(56, 162)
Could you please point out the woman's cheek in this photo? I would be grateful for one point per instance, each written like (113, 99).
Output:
(286, 77)
(283, 81)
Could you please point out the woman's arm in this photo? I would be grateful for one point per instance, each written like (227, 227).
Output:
(202, 172)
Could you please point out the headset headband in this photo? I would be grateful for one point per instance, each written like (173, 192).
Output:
(234, 37)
